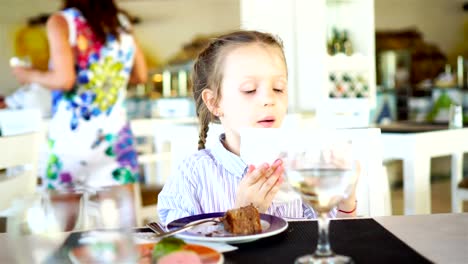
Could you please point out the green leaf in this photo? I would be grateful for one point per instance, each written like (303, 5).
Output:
(167, 245)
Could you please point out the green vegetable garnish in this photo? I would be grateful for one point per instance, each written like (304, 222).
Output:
(167, 245)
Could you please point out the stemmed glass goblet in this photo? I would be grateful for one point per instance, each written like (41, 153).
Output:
(320, 167)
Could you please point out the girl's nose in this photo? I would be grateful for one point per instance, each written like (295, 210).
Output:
(268, 97)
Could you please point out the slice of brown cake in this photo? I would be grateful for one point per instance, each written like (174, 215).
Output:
(242, 221)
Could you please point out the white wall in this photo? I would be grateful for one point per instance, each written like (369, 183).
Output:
(442, 22)
(12, 15)
(167, 25)
(7, 82)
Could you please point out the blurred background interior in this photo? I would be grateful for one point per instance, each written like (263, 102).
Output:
(388, 62)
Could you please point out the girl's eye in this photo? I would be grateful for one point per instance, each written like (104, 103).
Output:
(278, 90)
(248, 87)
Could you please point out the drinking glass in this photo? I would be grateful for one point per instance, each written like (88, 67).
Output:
(110, 218)
(320, 167)
(39, 223)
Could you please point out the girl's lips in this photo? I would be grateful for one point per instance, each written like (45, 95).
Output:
(267, 122)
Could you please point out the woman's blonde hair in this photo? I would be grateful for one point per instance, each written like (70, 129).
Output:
(208, 71)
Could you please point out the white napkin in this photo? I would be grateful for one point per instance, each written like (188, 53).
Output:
(260, 145)
(265, 145)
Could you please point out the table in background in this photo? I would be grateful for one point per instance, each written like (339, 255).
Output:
(416, 145)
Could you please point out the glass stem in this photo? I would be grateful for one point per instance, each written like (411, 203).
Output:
(323, 243)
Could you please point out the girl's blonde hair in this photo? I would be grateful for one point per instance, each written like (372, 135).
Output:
(208, 71)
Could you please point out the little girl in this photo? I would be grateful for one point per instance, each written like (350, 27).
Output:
(239, 80)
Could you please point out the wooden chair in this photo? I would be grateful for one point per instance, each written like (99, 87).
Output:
(146, 199)
(19, 153)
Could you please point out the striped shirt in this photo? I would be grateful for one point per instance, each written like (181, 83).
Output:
(207, 181)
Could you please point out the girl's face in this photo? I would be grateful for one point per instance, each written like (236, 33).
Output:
(254, 88)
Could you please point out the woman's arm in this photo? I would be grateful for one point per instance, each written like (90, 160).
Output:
(139, 72)
(62, 76)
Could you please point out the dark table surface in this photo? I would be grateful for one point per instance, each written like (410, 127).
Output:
(365, 240)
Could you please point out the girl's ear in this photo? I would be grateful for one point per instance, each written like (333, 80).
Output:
(209, 100)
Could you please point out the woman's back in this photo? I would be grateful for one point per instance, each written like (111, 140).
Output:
(102, 69)
(89, 134)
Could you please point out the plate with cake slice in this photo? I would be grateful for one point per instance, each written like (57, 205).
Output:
(235, 226)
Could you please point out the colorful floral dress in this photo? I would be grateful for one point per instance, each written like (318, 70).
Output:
(89, 136)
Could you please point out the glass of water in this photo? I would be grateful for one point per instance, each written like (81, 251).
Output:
(320, 167)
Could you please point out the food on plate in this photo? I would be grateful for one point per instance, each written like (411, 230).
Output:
(242, 221)
(180, 257)
(173, 250)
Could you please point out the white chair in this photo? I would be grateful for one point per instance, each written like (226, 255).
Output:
(150, 158)
(157, 155)
(384, 184)
(184, 141)
(459, 194)
(20, 156)
(373, 192)
(148, 155)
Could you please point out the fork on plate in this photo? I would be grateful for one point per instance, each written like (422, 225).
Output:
(162, 232)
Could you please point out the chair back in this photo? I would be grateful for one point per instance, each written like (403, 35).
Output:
(148, 158)
(373, 193)
(184, 141)
(19, 161)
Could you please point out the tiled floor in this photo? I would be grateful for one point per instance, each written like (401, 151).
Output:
(440, 194)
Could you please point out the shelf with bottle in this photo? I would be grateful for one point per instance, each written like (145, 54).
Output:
(350, 59)
(350, 26)
(171, 81)
(339, 42)
(348, 76)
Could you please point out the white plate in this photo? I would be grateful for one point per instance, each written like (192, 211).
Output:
(209, 232)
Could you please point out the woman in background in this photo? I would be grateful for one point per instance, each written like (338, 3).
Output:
(93, 57)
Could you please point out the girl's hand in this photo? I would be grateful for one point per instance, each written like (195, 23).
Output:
(260, 185)
(347, 207)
